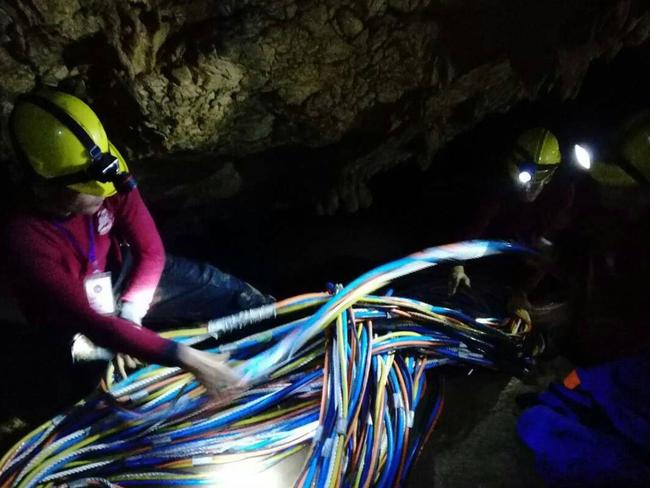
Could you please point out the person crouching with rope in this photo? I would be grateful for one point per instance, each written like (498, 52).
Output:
(72, 275)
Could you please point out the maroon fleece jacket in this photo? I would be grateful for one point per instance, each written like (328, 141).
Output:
(48, 262)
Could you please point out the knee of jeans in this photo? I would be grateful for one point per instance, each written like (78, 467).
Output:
(224, 282)
(251, 298)
(209, 275)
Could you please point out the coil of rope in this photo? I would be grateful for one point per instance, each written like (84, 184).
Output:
(345, 377)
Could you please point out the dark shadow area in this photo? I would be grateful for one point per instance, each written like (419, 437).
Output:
(37, 382)
(270, 235)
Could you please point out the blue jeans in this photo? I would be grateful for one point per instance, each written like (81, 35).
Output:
(191, 291)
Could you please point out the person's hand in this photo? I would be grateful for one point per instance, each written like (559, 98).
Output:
(518, 303)
(213, 372)
(519, 309)
(84, 350)
(133, 311)
(124, 362)
(458, 278)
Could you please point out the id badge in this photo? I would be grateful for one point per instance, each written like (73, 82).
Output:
(99, 290)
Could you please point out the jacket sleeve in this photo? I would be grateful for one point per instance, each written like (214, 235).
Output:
(58, 294)
(135, 224)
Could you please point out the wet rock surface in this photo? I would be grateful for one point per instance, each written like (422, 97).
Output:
(356, 87)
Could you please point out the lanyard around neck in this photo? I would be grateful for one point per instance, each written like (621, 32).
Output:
(91, 255)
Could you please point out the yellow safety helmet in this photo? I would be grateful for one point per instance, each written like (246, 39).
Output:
(632, 166)
(611, 175)
(533, 161)
(538, 146)
(636, 154)
(624, 176)
(63, 141)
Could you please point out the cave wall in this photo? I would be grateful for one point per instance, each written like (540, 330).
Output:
(200, 87)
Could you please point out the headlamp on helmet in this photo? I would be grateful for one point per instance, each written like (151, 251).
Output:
(525, 174)
(105, 169)
(530, 174)
(533, 160)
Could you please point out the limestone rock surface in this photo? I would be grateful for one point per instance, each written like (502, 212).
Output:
(358, 86)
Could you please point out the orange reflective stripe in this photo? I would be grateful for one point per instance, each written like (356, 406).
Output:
(572, 380)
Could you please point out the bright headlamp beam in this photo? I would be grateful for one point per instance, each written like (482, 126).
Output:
(583, 157)
(525, 177)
